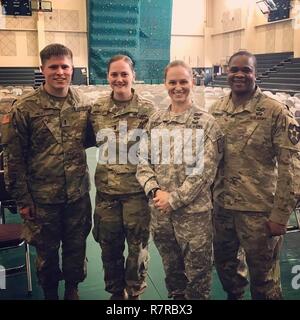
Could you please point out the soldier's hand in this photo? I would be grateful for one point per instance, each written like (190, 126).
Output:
(161, 201)
(276, 229)
(27, 213)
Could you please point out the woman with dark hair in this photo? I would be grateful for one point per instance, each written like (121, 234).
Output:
(121, 211)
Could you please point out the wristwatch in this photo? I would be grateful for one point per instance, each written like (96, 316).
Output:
(152, 192)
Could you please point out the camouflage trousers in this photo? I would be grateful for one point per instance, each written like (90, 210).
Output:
(184, 241)
(118, 218)
(60, 224)
(240, 237)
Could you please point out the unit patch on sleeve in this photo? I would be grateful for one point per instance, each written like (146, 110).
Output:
(294, 133)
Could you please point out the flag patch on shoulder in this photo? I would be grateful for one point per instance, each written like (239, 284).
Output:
(6, 119)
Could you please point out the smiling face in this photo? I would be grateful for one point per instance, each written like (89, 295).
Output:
(58, 72)
(241, 75)
(120, 77)
(179, 83)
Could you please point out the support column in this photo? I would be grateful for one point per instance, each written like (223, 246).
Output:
(41, 30)
(208, 47)
(248, 40)
(208, 30)
(295, 13)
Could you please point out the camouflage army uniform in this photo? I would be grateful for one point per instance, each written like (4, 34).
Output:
(255, 183)
(45, 165)
(121, 210)
(5, 107)
(184, 237)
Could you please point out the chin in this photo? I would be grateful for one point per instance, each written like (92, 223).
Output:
(180, 102)
(61, 87)
(238, 89)
(243, 91)
(121, 89)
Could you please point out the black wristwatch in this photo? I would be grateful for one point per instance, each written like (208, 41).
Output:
(152, 192)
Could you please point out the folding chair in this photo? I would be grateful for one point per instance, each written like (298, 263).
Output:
(295, 227)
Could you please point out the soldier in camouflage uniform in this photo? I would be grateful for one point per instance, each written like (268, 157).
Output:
(44, 138)
(180, 196)
(255, 191)
(121, 210)
(5, 107)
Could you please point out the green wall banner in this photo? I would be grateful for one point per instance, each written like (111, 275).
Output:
(140, 29)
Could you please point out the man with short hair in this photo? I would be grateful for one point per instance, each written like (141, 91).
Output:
(44, 140)
(256, 189)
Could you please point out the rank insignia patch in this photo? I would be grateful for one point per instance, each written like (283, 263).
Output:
(294, 133)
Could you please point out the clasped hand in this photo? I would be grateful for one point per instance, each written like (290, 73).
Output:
(161, 201)
(276, 229)
(27, 212)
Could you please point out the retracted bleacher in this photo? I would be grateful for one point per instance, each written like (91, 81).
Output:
(17, 76)
(284, 77)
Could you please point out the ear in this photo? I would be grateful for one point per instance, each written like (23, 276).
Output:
(42, 68)
(133, 74)
(192, 82)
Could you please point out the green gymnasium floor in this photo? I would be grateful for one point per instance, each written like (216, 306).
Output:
(93, 287)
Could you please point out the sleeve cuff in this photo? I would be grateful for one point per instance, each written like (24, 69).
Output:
(24, 201)
(279, 217)
(149, 185)
(175, 201)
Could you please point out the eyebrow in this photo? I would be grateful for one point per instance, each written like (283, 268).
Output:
(174, 80)
(244, 67)
(57, 65)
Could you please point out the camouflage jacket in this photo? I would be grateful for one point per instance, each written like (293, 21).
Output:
(189, 178)
(261, 157)
(5, 108)
(113, 177)
(44, 142)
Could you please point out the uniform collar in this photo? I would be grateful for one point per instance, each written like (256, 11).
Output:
(131, 107)
(180, 117)
(250, 106)
(72, 98)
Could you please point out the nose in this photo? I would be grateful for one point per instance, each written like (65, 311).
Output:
(176, 85)
(239, 74)
(59, 70)
(119, 78)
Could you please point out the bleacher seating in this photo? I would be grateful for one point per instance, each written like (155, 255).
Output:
(27, 76)
(16, 76)
(38, 78)
(284, 77)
